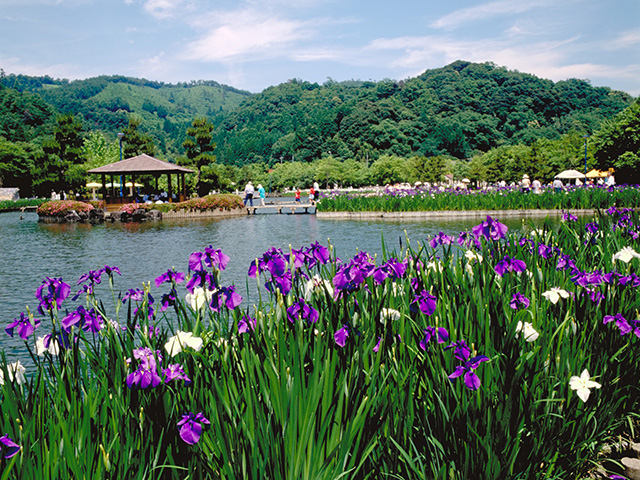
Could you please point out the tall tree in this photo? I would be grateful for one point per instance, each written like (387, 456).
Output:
(199, 147)
(135, 142)
(617, 144)
(65, 152)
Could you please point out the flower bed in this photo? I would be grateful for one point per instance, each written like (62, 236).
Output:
(60, 208)
(490, 355)
(499, 198)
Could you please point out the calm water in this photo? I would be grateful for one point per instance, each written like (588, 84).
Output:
(31, 250)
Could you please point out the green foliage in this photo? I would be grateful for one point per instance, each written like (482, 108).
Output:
(199, 147)
(617, 145)
(426, 199)
(135, 141)
(285, 400)
(64, 151)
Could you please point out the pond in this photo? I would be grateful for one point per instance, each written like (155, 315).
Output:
(32, 250)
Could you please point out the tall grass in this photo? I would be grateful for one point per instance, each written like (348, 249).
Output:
(506, 198)
(330, 375)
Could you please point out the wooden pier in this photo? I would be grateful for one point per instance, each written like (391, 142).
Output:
(283, 208)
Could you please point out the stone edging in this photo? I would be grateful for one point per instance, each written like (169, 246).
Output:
(203, 214)
(424, 215)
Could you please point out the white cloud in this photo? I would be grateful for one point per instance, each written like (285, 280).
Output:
(245, 34)
(162, 8)
(486, 11)
(628, 39)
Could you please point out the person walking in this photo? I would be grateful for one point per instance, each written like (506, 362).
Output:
(536, 186)
(525, 183)
(298, 195)
(261, 194)
(312, 196)
(557, 185)
(248, 194)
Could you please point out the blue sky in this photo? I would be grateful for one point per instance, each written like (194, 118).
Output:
(254, 44)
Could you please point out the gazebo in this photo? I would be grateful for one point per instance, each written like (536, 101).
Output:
(141, 165)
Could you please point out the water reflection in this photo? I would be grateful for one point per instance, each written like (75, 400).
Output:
(142, 251)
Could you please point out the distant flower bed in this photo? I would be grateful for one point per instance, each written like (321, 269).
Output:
(132, 207)
(499, 198)
(59, 208)
(201, 204)
(224, 201)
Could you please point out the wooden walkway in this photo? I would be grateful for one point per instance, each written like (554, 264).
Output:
(280, 208)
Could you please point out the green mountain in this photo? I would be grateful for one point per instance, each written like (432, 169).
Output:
(105, 103)
(455, 110)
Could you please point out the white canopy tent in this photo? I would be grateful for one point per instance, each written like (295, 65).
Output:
(570, 175)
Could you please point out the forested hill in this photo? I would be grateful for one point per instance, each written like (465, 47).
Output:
(455, 110)
(105, 103)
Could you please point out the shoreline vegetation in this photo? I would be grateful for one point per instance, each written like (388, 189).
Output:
(492, 354)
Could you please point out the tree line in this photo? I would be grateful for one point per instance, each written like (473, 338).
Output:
(469, 120)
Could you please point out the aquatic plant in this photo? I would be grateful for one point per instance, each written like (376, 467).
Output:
(490, 355)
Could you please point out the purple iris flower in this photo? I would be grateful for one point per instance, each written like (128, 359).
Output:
(566, 216)
(341, 336)
(631, 280)
(52, 291)
(490, 229)
(439, 333)
(191, 427)
(168, 300)
(566, 263)
(143, 378)
(8, 448)
(225, 296)
(508, 264)
(170, 276)
(23, 326)
(592, 227)
(317, 254)
(272, 260)
(211, 257)
(460, 350)
(245, 324)
(136, 294)
(93, 277)
(441, 239)
(425, 302)
(585, 279)
(545, 251)
(146, 375)
(471, 380)
(282, 282)
(202, 279)
(299, 257)
(518, 300)
(111, 270)
(176, 372)
(352, 275)
(466, 239)
(301, 311)
(88, 320)
(621, 323)
(377, 347)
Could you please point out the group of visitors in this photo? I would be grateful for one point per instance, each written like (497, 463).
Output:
(249, 192)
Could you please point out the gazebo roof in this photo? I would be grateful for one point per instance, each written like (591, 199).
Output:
(141, 164)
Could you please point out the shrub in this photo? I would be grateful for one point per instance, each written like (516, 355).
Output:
(59, 208)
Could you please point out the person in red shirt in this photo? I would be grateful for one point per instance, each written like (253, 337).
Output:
(297, 194)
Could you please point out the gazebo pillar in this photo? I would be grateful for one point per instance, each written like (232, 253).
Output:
(169, 182)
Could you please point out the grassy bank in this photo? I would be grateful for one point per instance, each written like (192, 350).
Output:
(14, 205)
(490, 355)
